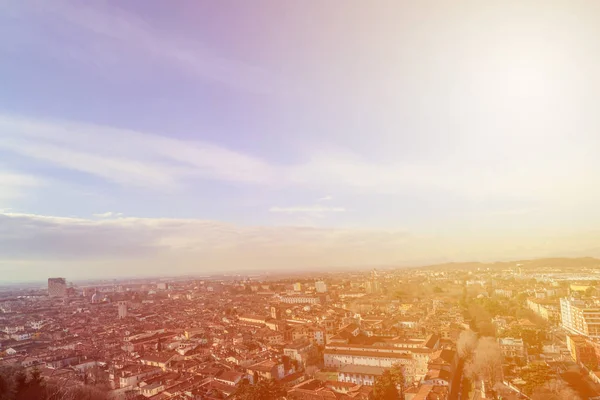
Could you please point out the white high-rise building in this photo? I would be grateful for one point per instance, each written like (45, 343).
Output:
(321, 287)
(581, 317)
(122, 306)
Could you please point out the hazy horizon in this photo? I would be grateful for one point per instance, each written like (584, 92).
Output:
(147, 138)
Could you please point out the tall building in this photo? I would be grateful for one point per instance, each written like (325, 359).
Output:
(582, 351)
(580, 317)
(122, 306)
(297, 287)
(321, 287)
(275, 312)
(57, 287)
(372, 286)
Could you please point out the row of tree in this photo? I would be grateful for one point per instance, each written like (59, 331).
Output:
(482, 358)
(17, 384)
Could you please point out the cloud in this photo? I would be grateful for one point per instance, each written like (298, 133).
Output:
(116, 39)
(14, 185)
(127, 157)
(309, 209)
(107, 214)
(78, 247)
(326, 198)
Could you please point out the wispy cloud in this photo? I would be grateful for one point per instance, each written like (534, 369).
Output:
(133, 246)
(14, 185)
(126, 156)
(309, 209)
(326, 198)
(149, 160)
(117, 38)
(107, 214)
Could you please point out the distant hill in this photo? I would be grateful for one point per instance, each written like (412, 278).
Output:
(541, 263)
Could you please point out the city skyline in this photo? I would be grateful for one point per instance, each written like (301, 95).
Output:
(144, 139)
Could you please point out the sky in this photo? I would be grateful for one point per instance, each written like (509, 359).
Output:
(150, 137)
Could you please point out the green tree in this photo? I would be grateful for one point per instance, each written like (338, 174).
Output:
(385, 387)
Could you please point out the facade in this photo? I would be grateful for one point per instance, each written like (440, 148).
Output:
(297, 287)
(360, 375)
(340, 358)
(512, 347)
(580, 317)
(57, 287)
(298, 350)
(265, 370)
(122, 306)
(582, 351)
(299, 299)
(321, 287)
(253, 319)
(545, 309)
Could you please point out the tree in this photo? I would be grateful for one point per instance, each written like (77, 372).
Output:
(487, 361)
(20, 385)
(466, 343)
(263, 390)
(397, 372)
(556, 389)
(6, 389)
(536, 375)
(385, 387)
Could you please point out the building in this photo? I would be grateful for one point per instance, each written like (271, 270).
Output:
(231, 378)
(297, 287)
(548, 310)
(508, 293)
(360, 374)
(298, 350)
(265, 370)
(339, 358)
(581, 317)
(372, 287)
(582, 351)
(253, 319)
(512, 347)
(301, 299)
(320, 287)
(275, 312)
(122, 306)
(57, 287)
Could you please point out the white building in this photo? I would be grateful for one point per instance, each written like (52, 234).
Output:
(300, 299)
(122, 306)
(580, 317)
(512, 347)
(360, 375)
(321, 287)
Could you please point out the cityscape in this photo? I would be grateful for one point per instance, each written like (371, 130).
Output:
(510, 330)
(299, 200)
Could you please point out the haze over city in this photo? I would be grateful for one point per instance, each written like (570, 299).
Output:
(299, 200)
(141, 137)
